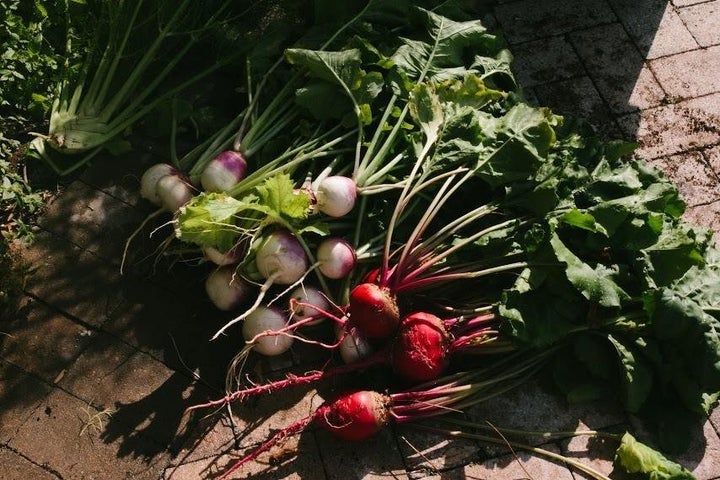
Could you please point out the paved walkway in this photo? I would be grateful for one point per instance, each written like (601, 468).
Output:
(97, 368)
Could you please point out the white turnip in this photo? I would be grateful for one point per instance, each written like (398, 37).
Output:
(336, 257)
(174, 192)
(225, 289)
(149, 181)
(302, 301)
(234, 255)
(223, 171)
(336, 195)
(258, 328)
(282, 258)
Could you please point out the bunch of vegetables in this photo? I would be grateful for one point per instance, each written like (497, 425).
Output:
(396, 188)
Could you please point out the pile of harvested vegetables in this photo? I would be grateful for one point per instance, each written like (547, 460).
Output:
(387, 183)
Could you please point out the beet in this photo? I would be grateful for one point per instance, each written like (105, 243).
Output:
(420, 351)
(355, 416)
(374, 311)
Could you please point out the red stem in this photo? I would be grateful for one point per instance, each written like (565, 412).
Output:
(378, 358)
(280, 436)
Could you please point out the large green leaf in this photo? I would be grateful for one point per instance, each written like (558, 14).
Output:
(515, 144)
(596, 283)
(339, 67)
(209, 221)
(281, 201)
(636, 457)
(636, 376)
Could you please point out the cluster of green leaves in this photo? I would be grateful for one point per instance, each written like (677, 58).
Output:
(212, 219)
(624, 299)
(29, 51)
(19, 204)
(33, 38)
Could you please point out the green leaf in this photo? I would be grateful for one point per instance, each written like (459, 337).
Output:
(426, 111)
(323, 100)
(282, 200)
(208, 221)
(515, 144)
(635, 457)
(691, 344)
(582, 220)
(596, 284)
(453, 39)
(469, 91)
(340, 68)
(442, 54)
(637, 377)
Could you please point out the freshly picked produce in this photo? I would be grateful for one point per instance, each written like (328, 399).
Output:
(399, 193)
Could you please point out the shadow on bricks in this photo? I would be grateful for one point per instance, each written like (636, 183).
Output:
(587, 58)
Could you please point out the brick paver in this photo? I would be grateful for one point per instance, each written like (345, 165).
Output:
(689, 75)
(609, 57)
(655, 26)
(17, 467)
(117, 358)
(73, 445)
(702, 22)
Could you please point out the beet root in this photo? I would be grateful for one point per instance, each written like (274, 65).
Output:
(420, 351)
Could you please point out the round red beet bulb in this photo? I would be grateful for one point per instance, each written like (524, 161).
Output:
(356, 416)
(420, 351)
(373, 311)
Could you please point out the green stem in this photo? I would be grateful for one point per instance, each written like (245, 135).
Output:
(596, 474)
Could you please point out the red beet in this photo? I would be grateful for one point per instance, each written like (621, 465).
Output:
(373, 311)
(420, 351)
(356, 416)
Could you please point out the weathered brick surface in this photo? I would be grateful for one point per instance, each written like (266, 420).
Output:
(519, 465)
(93, 220)
(655, 26)
(691, 74)
(17, 467)
(579, 98)
(670, 129)
(74, 444)
(617, 68)
(43, 342)
(529, 20)
(702, 22)
(71, 279)
(20, 393)
(546, 60)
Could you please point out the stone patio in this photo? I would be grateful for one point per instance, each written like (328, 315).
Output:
(98, 366)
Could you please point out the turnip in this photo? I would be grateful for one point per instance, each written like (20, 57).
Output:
(258, 328)
(373, 311)
(223, 171)
(353, 347)
(149, 181)
(302, 301)
(234, 255)
(282, 258)
(174, 192)
(336, 195)
(225, 289)
(336, 257)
